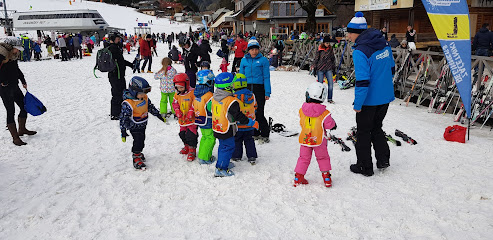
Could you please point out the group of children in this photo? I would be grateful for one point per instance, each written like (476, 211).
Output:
(226, 113)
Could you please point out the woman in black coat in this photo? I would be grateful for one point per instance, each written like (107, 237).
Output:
(225, 47)
(205, 49)
(10, 74)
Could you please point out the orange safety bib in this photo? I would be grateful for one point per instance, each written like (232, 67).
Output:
(312, 129)
(248, 110)
(185, 102)
(200, 108)
(220, 121)
(139, 109)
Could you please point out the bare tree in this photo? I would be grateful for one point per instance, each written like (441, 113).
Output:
(310, 6)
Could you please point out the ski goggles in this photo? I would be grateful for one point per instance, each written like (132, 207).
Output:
(146, 90)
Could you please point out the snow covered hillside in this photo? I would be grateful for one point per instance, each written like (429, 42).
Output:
(75, 180)
(116, 16)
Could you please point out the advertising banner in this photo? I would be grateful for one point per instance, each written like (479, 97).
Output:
(450, 19)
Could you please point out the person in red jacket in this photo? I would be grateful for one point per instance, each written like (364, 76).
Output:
(239, 48)
(146, 51)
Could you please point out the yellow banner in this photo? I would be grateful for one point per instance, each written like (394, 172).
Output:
(450, 27)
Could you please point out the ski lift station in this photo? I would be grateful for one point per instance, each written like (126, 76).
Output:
(61, 20)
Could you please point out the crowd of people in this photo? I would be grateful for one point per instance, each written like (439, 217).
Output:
(229, 107)
(197, 98)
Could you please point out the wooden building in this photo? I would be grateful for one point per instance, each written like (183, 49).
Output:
(412, 12)
(170, 8)
(261, 15)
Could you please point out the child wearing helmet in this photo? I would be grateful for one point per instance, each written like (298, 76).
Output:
(248, 106)
(315, 119)
(165, 76)
(224, 66)
(226, 113)
(203, 94)
(184, 111)
(205, 65)
(135, 108)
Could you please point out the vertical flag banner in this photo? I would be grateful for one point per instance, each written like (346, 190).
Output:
(450, 19)
(205, 25)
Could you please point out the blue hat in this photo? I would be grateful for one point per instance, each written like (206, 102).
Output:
(357, 24)
(253, 44)
(224, 81)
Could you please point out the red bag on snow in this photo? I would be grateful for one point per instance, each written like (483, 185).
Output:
(455, 133)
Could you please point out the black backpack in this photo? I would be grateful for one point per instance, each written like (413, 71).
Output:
(105, 62)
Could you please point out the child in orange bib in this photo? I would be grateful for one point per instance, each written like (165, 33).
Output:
(315, 119)
(135, 109)
(184, 111)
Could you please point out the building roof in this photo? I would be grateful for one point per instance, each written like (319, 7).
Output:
(251, 7)
(164, 4)
(221, 20)
(218, 13)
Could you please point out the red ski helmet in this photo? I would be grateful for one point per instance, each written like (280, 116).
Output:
(181, 80)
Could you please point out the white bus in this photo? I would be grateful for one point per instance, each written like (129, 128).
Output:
(62, 20)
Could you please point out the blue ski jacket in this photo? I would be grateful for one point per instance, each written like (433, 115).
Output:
(256, 71)
(374, 68)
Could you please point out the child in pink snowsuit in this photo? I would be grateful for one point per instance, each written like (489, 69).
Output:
(224, 66)
(315, 119)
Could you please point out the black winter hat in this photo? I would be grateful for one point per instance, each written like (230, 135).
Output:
(326, 39)
(114, 36)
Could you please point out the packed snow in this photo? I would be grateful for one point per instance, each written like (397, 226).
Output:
(75, 180)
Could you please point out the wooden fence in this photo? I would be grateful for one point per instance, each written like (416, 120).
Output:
(303, 52)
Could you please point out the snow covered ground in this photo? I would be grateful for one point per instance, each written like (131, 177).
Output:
(75, 180)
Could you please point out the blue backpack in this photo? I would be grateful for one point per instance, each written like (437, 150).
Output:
(33, 106)
(220, 53)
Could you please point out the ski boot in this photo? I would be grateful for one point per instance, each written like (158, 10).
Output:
(149, 71)
(262, 140)
(383, 166)
(236, 159)
(252, 160)
(355, 168)
(299, 179)
(231, 165)
(223, 173)
(137, 161)
(185, 149)
(142, 157)
(191, 154)
(327, 179)
(210, 161)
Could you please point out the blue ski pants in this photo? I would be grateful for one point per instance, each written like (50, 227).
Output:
(245, 137)
(225, 152)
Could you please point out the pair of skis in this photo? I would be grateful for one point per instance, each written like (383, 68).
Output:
(352, 137)
(339, 141)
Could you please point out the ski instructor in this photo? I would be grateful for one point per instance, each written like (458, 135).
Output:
(374, 69)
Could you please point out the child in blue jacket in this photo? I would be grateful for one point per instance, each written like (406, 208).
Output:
(135, 109)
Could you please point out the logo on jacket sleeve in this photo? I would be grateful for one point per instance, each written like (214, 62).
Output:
(383, 55)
